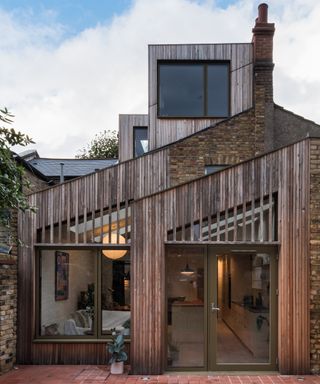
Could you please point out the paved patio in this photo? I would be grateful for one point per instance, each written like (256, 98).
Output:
(85, 374)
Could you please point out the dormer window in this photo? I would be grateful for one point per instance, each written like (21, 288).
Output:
(193, 89)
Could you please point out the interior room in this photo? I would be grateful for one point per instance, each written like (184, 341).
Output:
(185, 304)
(79, 287)
(243, 326)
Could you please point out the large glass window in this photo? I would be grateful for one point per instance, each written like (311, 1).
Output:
(185, 303)
(83, 293)
(243, 327)
(115, 294)
(67, 285)
(196, 89)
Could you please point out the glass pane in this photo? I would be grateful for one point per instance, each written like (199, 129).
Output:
(243, 328)
(209, 169)
(185, 303)
(67, 287)
(95, 228)
(115, 291)
(252, 224)
(140, 140)
(181, 90)
(218, 90)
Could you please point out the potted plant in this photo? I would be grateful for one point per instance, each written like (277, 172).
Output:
(118, 355)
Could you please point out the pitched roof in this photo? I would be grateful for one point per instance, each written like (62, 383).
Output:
(71, 167)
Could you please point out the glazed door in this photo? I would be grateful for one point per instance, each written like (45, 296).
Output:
(242, 332)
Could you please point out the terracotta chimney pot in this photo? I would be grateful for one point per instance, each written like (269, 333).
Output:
(263, 13)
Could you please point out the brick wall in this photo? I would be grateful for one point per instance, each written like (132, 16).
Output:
(229, 142)
(315, 255)
(36, 184)
(241, 137)
(8, 284)
(8, 297)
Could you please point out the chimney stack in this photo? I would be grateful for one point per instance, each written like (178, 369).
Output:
(262, 41)
(263, 37)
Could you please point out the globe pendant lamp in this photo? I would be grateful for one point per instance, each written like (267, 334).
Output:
(114, 254)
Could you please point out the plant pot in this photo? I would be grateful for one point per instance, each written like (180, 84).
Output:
(117, 368)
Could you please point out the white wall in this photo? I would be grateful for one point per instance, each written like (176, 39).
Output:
(81, 273)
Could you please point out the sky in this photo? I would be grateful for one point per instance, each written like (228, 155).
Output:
(70, 67)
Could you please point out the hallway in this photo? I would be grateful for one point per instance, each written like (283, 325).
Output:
(230, 349)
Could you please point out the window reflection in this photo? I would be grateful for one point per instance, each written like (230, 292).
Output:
(140, 140)
(193, 89)
(70, 288)
(181, 90)
(244, 300)
(185, 303)
(218, 90)
(115, 294)
(67, 282)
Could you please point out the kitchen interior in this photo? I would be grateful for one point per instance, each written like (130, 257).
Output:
(185, 307)
(243, 325)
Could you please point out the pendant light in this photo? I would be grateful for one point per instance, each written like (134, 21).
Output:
(187, 271)
(114, 254)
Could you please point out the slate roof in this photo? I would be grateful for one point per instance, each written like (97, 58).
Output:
(71, 167)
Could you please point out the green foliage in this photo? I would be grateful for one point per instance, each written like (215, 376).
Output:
(103, 146)
(116, 348)
(11, 173)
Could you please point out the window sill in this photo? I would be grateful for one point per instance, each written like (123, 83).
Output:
(75, 340)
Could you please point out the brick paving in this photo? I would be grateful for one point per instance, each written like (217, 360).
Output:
(88, 374)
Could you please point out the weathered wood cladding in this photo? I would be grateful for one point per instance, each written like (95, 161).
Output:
(65, 205)
(126, 125)
(103, 190)
(284, 172)
(71, 353)
(26, 284)
(165, 130)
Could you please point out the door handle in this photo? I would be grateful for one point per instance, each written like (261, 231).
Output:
(214, 308)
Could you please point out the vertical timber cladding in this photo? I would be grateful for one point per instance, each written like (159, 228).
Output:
(165, 131)
(111, 186)
(25, 312)
(126, 124)
(58, 206)
(285, 172)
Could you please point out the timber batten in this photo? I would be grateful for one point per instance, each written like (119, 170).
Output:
(144, 205)
(127, 123)
(179, 211)
(284, 175)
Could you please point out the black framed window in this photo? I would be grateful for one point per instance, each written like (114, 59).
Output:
(193, 89)
(140, 140)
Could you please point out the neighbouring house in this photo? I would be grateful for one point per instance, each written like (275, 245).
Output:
(202, 246)
(59, 170)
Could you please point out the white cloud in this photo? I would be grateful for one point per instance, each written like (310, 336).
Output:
(64, 90)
